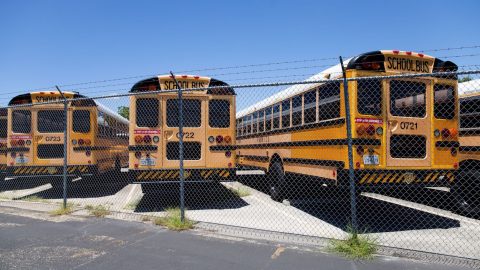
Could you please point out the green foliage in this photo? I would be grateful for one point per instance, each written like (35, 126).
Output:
(355, 246)
(124, 111)
(173, 221)
(98, 211)
(63, 210)
(465, 79)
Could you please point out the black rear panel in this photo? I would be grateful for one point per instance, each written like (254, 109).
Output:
(50, 151)
(408, 146)
(191, 150)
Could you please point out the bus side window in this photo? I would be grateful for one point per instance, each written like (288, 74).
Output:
(276, 116)
(329, 101)
(249, 124)
(297, 111)
(309, 113)
(255, 122)
(286, 113)
(268, 119)
(261, 121)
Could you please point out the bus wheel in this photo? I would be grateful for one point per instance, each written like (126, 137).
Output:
(466, 192)
(276, 180)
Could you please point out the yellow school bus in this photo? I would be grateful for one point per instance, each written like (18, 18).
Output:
(467, 188)
(3, 142)
(209, 130)
(97, 137)
(404, 130)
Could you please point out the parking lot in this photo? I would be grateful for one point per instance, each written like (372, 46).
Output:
(410, 219)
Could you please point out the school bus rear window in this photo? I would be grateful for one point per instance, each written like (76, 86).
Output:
(192, 113)
(50, 121)
(444, 101)
(407, 99)
(81, 121)
(369, 97)
(22, 121)
(147, 112)
(219, 113)
(3, 128)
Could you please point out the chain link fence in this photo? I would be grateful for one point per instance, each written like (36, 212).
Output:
(394, 158)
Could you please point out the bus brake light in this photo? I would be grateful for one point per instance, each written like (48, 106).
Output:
(81, 142)
(138, 139)
(20, 142)
(370, 130)
(360, 130)
(219, 139)
(147, 139)
(88, 142)
(445, 133)
(227, 139)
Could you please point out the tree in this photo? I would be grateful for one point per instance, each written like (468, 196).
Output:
(124, 111)
(465, 79)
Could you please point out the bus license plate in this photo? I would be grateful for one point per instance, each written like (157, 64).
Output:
(21, 160)
(370, 160)
(147, 162)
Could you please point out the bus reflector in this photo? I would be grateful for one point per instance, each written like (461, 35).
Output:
(211, 139)
(74, 142)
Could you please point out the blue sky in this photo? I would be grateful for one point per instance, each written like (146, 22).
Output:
(45, 43)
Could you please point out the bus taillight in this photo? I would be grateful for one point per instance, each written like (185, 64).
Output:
(138, 139)
(81, 142)
(446, 133)
(370, 130)
(227, 139)
(13, 143)
(360, 130)
(147, 139)
(20, 142)
(88, 142)
(219, 139)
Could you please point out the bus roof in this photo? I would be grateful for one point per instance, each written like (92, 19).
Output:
(84, 101)
(165, 82)
(468, 88)
(361, 61)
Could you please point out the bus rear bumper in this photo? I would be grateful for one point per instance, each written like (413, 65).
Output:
(383, 178)
(49, 171)
(169, 175)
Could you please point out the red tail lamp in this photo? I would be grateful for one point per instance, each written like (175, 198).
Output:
(138, 139)
(147, 139)
(361, 130)
(219, 139)
(370, 130)
(446, 133)
(20, 142)
(360, 150)
(88, 142)
(453, 132)
(81, 142)
(455, 165)
(228, 139)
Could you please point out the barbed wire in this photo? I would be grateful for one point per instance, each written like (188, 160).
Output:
(244, 66)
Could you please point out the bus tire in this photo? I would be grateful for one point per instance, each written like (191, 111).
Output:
(466, 192)
(276, 180)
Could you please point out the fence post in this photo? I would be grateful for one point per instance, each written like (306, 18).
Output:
(65, 142)
(180, 149)
(351, 173)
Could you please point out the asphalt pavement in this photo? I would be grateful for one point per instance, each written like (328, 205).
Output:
(35, 241)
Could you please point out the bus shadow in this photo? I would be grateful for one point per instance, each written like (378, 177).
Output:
(373, 216)
(101, 186)
(198, 196)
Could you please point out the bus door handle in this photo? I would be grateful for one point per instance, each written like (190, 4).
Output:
(392, 125)
(168, 134)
